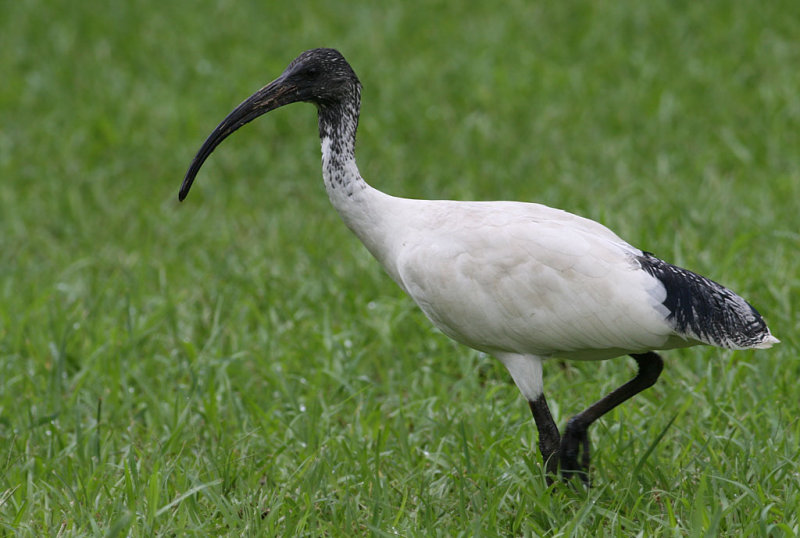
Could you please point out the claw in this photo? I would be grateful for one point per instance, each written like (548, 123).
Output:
(574, 452)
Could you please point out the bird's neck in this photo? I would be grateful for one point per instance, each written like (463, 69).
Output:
(337, 131)
(363, 209)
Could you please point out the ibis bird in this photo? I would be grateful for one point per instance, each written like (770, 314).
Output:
(519, 281)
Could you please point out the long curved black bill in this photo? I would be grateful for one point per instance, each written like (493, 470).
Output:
(274, 95)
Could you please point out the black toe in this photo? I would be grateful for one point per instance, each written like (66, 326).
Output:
(574, 452)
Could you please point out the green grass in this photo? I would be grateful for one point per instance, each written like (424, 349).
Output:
(239, 365)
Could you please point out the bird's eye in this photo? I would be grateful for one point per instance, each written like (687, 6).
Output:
(312, 72)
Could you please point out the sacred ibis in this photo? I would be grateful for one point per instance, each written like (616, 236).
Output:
(520, 281)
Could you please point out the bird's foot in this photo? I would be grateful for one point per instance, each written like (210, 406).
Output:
(574, 452)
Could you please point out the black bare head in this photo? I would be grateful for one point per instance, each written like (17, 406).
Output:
(319, 76)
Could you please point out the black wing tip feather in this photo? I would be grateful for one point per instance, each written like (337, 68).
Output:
(705, 310)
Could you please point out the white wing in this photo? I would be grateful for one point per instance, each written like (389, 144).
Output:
(508, 277)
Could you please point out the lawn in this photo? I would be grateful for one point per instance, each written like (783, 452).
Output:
(239, 365)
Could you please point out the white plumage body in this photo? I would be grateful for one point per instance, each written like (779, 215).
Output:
(523, 278)
(521, 281)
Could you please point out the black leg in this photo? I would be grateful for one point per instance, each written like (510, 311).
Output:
(576, 439)
(549, 438)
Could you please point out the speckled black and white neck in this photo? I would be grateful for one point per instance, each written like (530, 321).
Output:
(338, 123)
(358, 204)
